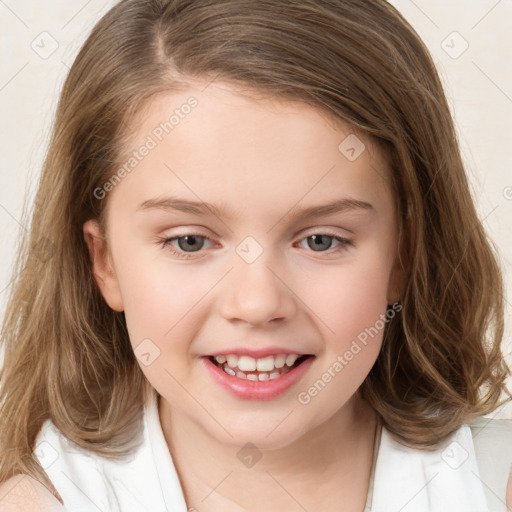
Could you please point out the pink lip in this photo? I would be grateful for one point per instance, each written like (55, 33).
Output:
(256, 353)
(257, 390)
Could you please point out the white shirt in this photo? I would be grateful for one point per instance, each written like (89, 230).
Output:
(403, 479)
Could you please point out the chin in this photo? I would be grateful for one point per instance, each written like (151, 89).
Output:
(266, 432)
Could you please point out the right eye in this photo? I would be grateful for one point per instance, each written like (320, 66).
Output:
(195, 241)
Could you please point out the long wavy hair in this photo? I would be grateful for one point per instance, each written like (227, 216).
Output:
(68, 355)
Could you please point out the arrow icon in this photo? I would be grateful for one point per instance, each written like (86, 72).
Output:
(249, 249)
(249, 455)
(454, 45)
(352, 147)
(147, 352)
(45, 45)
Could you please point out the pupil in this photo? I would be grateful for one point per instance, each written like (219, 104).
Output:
(191, 240)
(321, 239)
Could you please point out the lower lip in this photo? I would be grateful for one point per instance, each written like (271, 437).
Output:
(258, 389)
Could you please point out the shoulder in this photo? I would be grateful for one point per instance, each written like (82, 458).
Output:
(121, 480)
(22, 492)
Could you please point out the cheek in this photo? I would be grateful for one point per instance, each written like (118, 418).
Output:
(166, 302)
(160, 305)
(158, 301)
(349, 298)
(350, 305)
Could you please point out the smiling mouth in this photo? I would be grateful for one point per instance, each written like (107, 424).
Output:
(258, 375)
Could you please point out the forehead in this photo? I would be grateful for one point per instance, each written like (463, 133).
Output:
(218, 143)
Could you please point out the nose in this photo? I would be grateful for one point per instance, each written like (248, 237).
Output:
(257, 294)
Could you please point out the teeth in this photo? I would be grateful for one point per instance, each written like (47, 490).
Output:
(290, 360)
(266, 364)
(247, 364)
(232, 361)
(263, 364)
(265, 368)
(279, 361)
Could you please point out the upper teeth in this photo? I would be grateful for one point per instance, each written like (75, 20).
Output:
(263, 364)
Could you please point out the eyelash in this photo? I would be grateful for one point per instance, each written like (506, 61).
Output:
(166, 243)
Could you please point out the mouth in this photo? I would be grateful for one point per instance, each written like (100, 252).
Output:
(265, 378)
(262, 369)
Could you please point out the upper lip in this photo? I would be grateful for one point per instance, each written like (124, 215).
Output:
(256, 353)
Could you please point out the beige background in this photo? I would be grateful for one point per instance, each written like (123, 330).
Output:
(471, 43)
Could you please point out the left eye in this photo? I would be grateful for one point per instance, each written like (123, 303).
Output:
(319, 240)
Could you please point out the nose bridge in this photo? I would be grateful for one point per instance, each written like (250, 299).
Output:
(256, 293)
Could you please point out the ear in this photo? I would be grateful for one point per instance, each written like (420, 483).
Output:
(102, 267)
(396, 282)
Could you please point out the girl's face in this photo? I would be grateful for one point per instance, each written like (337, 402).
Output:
(258, 275)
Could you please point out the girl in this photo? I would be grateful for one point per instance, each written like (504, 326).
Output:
(179, 338)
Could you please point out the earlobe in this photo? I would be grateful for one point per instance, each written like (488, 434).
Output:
(101, 265)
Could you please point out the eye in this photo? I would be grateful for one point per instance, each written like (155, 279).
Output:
(320, 241)
(191, 243)
(186, 242)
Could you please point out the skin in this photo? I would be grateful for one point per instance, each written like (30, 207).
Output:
(509, 490)
(262, 159)
(22, 492)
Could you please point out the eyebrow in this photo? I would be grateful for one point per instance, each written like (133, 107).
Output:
(204, 208)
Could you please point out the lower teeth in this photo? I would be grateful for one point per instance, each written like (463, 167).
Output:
(252, 376)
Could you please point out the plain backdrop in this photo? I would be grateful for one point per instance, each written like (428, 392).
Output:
(470, 41)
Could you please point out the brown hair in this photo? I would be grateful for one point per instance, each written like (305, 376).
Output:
(68, 355)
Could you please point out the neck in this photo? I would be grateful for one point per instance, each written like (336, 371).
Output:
(328, 465)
